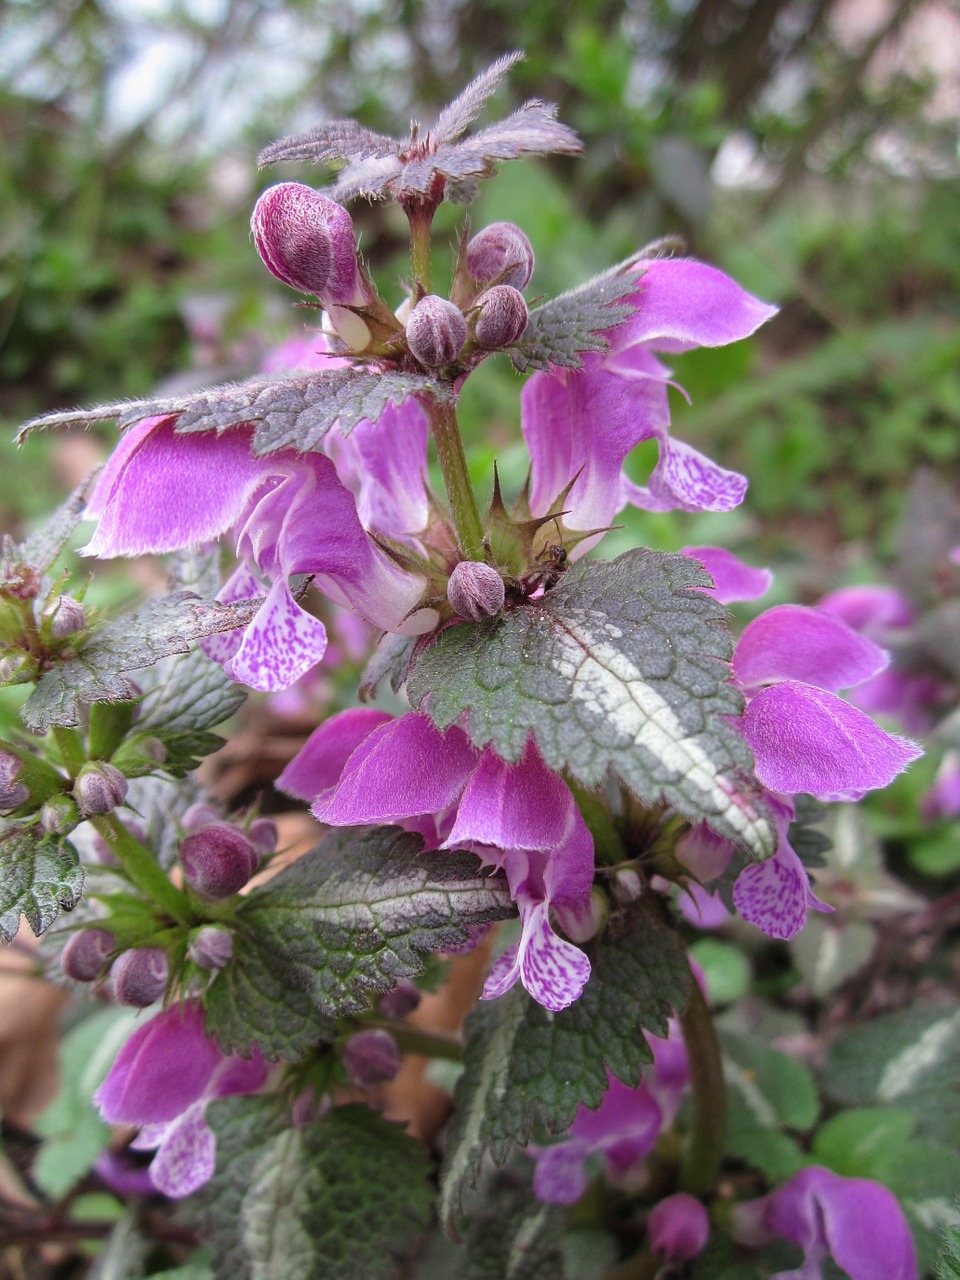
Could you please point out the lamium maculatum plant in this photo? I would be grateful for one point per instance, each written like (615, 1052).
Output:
(553, 755)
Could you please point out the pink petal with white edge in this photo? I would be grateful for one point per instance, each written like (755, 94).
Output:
(686, 480)
(280, 645)
(241, 585)
(403, 769)
(318, 764)
(682, 303)
(187, 1156)
(165, 491)
(733, 581)
(792, 642)
(806, 740)
(775, 895)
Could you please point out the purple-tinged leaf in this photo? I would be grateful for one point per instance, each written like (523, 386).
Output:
(466, 106)
(335, 140)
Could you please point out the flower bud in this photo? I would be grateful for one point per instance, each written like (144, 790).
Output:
(501, 252)
(140, 977)
(211, 947)
(200, 815)
(678, 1227)
(307, 241)
(13, 793)
(263, 835)
(436, 331)
(475, 590)
(371, 1057)
(218, 860)
(501, 319)
(59, 816)
(99, 788)
(65, 618)
(403, 999)
(17, 668)
(85, 955)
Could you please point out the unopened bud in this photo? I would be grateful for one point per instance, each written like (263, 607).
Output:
(370, 1058)
(218, 860)
(59, 815)
(17, 668)
(211, 947)
(501, 252)
(678, 1227)
(436, 331)
(475, 590)
(140, 977)
(13, 793)
(501, 319)
(85, 955)
(65, 618)
(99, 788)
(263, 835)
(307, 241)
(403, 999)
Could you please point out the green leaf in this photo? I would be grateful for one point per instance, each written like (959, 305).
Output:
(41, 549)
(778, 1089)
(124, 1253)
(574, 322)
(725, 968)
(909, 1059)
(857, 1143)
(188, 693)
(526, 1066)
(826, 954)
(330, 1201)
(96, 674)
(40, 876)
(619, 668)
(517, 1237)
(344, 922)
(948, 1264)
(75, 1135)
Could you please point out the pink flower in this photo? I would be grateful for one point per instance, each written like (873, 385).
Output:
(162, 1080)
(581, 424)
(365, 767)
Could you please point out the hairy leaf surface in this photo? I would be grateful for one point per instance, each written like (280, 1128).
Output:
(40, 876)
(96, 673)
(620, 668)
(333, 1200)
(344, 922)
(526, 1066)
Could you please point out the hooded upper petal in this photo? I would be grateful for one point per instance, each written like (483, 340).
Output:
(681, 303)
(805, 739)
(318, 764)
(792, 642)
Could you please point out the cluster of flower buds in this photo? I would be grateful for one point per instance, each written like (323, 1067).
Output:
(137, 977)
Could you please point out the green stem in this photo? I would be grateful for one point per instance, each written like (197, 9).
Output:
(708, 1128)
(453, 464)
(410, 1039)
(143, 870)
(71, 749)
(420, 215)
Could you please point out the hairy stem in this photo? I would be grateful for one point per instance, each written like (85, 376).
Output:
(453, 464)
(143, 870)
(71, 749)
(410, 1039)
(420, 215)
(701, 1161)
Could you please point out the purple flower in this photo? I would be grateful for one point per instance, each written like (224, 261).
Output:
(943, 798)
(791, 662)
(365, 767)
(678, 1227)
(289, 514)
(856, 1222)
(162, 1080)
(581, 424)
(885, 615)
(623, 1129)
(733, 581)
